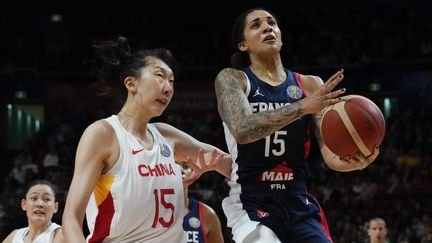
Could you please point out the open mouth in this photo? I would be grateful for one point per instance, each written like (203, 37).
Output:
(39, 213)
(270, 38)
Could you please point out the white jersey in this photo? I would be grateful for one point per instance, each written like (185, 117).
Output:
(45, 237)
(140, 199)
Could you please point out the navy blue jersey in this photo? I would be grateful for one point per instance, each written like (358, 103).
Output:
(276, 163)
(193, 223)
(268, 182)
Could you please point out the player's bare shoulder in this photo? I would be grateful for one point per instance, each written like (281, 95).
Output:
(230, 88)
(311, 82)
(101, 129)
(230, 78)
(99, 140)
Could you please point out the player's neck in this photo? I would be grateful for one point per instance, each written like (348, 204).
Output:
(272, 63)
(270, 72)
(35, 230)
(137, 127)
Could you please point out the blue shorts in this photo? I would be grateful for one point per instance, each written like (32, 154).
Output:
(293, 217)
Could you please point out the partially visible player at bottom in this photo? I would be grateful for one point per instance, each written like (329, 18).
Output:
(377, 230)
(201, 223)
(40, 204)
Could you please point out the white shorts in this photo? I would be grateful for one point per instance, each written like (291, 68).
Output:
(244, 229)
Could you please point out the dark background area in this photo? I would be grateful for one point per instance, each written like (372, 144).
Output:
(49, 65)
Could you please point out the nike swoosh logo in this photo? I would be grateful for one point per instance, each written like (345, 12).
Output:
(136, 151)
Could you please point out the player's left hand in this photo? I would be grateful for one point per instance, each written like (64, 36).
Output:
(360, 162)
(205, 162)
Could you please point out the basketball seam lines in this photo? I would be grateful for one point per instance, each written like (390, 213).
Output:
(339, 108)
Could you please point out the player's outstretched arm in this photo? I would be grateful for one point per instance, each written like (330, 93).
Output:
(187, 148)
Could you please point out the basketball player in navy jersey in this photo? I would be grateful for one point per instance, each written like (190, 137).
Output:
(268, 112)
(201, 223)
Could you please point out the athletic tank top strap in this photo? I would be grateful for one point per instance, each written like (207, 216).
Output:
(158, 137)
(118, 128)
(121, 134)
(294, 78)
(19, 235)
(45, 237)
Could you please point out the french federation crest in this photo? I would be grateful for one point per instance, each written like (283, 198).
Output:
(165, 151)
(294, 92)
(194, 222)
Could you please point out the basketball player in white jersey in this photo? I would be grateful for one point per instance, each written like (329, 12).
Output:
(126, 180)
(40, 205)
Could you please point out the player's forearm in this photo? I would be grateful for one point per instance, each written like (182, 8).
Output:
(224, 167)
(248, 128)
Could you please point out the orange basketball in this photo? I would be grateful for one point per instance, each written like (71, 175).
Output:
(354, 125)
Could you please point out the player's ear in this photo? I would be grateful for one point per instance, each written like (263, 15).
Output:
(23, 204)
(242, 46)
(130, 84)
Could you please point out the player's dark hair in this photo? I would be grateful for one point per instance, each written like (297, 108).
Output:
(40, 182)
(116, 61)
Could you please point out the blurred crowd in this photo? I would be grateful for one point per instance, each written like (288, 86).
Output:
(319, 35)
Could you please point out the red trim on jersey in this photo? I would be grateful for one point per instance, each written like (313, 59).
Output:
(323, 222)
(307, 144)
(300, 83)
(201, 215)
(103, 220)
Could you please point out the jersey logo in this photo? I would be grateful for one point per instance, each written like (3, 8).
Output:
(257, 92)
(262, 214)
(294, 92)
(156, 170)
(280, 172)
(165, 151)
(136, 151)
(194, 222)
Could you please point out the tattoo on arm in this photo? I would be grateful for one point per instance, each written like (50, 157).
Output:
(235, 110)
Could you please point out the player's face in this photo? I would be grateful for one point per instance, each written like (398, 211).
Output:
(155, 86)
(39, 204)
(377, 231)
(262, 34)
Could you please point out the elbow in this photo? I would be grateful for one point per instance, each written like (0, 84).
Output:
(242, 138)
(241, 134)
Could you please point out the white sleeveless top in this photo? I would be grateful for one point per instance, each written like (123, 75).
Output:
(45, 237)
(140, 199)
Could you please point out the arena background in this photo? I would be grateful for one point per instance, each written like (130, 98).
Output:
(48, 95)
